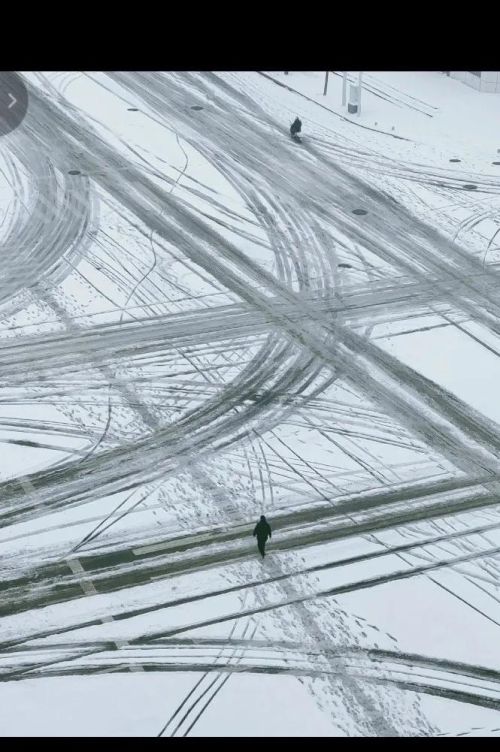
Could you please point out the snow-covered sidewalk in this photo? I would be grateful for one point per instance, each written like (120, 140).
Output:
(439, 115)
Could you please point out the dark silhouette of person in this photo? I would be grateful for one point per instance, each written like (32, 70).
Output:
(263, 532)
(295, 127)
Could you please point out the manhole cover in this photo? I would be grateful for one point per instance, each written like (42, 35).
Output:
(470, 187)
(132, 109)
(345, 266)
(74, 172)
(196, 107)
(359, 212)
(455, 160)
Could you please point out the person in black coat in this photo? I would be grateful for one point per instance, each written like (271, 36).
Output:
(295, 127)
(263, 532)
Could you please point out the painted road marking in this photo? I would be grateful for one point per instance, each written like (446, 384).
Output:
(75, 565)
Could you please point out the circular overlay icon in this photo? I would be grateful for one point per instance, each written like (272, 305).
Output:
(13, 101)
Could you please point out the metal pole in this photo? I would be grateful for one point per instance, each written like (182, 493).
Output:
(344, 88)
(360, 80)
(326, 83)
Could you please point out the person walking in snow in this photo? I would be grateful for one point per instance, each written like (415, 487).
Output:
(263, 532)
(295, 127)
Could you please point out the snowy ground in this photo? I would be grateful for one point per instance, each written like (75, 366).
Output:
(195, 330)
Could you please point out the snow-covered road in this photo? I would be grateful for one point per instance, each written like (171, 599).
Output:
(198, 328)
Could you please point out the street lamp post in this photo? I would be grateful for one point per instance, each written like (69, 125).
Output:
(344, 88)
(326, 83)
